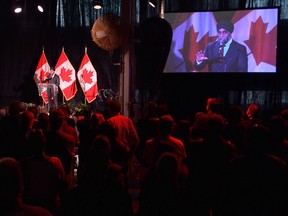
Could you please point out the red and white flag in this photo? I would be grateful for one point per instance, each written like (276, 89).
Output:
(191, 33)
(259, 37)
(40, 75)
(67, 74)
(255, 29)
(87, 77)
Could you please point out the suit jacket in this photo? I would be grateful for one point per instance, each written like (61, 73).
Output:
(54, 79)
(53, 92)
(235, 60)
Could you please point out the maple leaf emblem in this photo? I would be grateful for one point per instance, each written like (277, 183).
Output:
(191, 46)
(262, 45)
(87, 76)
(43, 75)
(65, 74)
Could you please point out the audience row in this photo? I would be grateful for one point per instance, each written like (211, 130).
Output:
(216, 163)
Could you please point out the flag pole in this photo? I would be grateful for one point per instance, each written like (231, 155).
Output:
(84, 84)
(63, 99)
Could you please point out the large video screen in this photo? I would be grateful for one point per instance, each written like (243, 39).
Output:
(223, 41)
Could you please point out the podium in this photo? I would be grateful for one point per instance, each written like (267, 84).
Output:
(52, 93)
(52, 88)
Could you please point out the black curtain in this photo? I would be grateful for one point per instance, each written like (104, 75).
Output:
(25, 35)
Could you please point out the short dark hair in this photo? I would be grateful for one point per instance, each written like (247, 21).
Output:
(114, 105)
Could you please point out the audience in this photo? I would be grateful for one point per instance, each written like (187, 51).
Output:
(123, 126)
(235, 128)
(215, 105)
(44, 176)
(164, 133)
(208, 161)
(9, 126)
(163, 188)
(257, 182)
(253, 115)
(61, 144)
(224, 162)
(101, 190)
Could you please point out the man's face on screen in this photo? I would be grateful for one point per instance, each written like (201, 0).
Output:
(223, 36)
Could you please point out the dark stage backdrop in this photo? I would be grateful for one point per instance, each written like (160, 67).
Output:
(23, 38)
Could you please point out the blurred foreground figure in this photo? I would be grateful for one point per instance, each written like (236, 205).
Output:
(11, 187)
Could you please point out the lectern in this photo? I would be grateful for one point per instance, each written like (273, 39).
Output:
(52, 92)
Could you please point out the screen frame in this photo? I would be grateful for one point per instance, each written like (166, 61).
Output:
(218, 15)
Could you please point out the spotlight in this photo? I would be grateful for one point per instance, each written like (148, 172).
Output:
(18, 6)
(153, 3)
(97, 5)
(40, 6)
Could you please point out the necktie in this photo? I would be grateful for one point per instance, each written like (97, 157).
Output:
(221, 52)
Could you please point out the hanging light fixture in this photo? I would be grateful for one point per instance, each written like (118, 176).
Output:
(97, 5)
(153, 3)
(18, 6)
(40, 6)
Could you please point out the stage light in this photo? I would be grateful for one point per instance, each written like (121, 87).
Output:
(40, 6)
(18, 6)
(153, 3)
(97, 5)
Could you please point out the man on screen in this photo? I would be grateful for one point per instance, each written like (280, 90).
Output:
(224, 54)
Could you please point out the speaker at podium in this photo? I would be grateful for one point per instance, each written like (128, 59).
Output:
(52, 94)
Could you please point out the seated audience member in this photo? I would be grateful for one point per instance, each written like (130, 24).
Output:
(44, 176)
(84, 134)
(257, 182)
(284, 114)
(253, 115)
(69, 125)
(163, 188)
(208, 161)
(215, 105)
(182, 131)
(123, 126)
(11, 188)
(279, 146)
(88, 129)
(101, 189)
(119, 152)
(43, 122)
(146, 126)
(26, 122)
(9, 125)
(165, 128)
(235, 129)
(61, 145)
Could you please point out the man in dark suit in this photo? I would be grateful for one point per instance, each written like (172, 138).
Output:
(224, 54)
(52, 89)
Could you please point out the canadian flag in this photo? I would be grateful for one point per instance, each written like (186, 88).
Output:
(40, 75)
(191, 33)
(255, 29)
(87, 77)
(67, 74)
(259, 37)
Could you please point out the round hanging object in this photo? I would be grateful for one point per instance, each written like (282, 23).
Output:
(106, 32)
